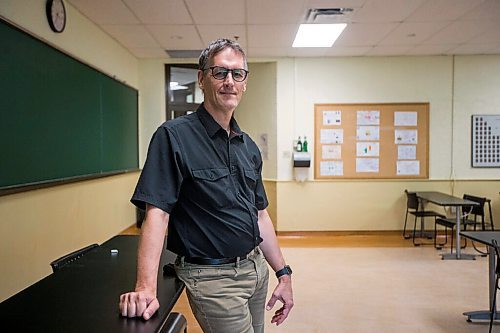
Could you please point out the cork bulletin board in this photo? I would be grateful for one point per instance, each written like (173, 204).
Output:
(386, 141)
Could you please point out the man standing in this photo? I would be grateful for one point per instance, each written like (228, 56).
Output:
(202, 178)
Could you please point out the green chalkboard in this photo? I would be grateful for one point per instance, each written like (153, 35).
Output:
(60, 118)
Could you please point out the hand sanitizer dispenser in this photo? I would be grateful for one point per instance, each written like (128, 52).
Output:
(301, 164)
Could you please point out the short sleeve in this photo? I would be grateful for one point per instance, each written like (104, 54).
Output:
(260, 193)
(161, 178)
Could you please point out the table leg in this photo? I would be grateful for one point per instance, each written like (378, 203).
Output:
(458, 255)
(485, 314)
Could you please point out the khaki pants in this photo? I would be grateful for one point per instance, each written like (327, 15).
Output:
(227, 298)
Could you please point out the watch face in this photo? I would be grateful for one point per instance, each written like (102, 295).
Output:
(56, 14)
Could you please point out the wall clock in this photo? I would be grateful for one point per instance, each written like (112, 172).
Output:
(56, 15)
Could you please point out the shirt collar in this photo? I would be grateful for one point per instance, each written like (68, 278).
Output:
(213, 127)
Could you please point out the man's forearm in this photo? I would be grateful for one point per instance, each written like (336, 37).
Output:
(269, 245)
(150, 248)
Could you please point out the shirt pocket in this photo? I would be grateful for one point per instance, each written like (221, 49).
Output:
(251, 178)
(214, 186)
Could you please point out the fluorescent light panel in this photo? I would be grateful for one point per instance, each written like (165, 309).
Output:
(318, 35)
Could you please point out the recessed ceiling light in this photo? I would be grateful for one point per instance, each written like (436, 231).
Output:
(318, 35)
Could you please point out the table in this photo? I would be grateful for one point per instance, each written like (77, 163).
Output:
(446, 200)
(486, 238)
(83, 296)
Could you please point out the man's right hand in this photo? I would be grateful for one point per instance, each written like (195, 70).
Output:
(138, 304)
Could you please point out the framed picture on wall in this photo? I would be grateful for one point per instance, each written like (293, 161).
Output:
(485, 141)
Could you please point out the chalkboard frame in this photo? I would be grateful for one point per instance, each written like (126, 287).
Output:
(104, 170)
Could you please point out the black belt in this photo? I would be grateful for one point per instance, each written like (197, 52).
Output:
(218, 261)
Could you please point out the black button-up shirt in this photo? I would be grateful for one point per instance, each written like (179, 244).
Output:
(210, 184)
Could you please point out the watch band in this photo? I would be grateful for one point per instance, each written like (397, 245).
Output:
(285, 270)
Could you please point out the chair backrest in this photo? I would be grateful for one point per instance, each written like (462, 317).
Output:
(477, 210)
(412, 200)
(66, 259)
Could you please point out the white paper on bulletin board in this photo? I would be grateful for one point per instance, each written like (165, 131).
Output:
(368, 133)
(371, 117)
(405, 137)
(331, 152)
(332, 118)
(332, 136)
(367, 149)
(403, 118)
(407, 152)
(367, 164)
(331, 168)
(408, 168)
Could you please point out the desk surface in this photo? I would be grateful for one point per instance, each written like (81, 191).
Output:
(483, 237)
(443, 199)
(83, 296)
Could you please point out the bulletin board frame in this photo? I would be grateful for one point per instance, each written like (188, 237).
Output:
(371, 141)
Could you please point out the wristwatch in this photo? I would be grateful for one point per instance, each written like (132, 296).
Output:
(285, 270)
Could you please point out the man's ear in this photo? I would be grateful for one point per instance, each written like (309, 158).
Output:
(200, 79)
(245, 87)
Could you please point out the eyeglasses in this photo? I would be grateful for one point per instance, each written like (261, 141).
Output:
(220, 73)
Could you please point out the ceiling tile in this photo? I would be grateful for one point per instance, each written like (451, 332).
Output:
(131, 35)
(489, 9)
(275, 12)
(472, 49)
(217, 11)
(211, 32)
(160, 11)
(271, 35)
(442, 10)
(307, 51)
(344, 51)
(412, 33)
(266, 52)
(431, 49)
(148, 52)
(177, 37)
(457, 32)
(388, 50)
(105, 12)
(386, 10)
(369, 34)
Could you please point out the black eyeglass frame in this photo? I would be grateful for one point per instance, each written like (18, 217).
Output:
(226, 71)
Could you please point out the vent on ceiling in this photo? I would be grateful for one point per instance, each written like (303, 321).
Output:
(183, 53)
(329, 15)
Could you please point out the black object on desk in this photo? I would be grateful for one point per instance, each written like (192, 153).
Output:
(446, 200)
(84, 295)
(486, 238)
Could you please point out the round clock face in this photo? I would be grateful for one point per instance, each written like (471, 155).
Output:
(56, 14)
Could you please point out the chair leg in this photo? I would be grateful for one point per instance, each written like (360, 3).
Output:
(492, 311)
(405, 236)
(414, 231)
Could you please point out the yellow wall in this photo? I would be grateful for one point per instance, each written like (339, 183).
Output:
(40, 226)
(363, 204)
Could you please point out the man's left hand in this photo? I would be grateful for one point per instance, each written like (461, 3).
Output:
(282, 292)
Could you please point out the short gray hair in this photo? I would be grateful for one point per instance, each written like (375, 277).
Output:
(217, 46)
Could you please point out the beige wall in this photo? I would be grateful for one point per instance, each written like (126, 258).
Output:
(40, 226)
(256, 113)
(363, 204)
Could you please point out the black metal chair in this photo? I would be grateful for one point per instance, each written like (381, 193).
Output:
(176, 323)
(68, 258)
(473, 216)
(415, 208)
(497, 276)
